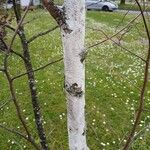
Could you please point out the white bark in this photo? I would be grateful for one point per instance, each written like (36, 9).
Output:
(73, 45)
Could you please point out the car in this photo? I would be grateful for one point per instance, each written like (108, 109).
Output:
(9, 1)
(104, 5)
(8, 4)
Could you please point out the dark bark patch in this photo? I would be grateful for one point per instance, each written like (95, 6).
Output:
(58, 14)
(74, 90)
(83, 55)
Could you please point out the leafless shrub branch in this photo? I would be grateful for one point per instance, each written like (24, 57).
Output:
(19, 24)
(143, 89)
(40, 68)
(118, 44)
(21, 135)
(98, 43)
(4, 104)
(41, 34)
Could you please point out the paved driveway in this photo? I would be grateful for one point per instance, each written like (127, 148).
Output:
(131, 12)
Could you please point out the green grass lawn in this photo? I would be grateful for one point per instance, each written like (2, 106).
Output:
(113, 79)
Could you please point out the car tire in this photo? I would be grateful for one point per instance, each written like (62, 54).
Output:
(105, 8)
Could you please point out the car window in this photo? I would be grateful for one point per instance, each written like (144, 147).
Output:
(94, 0)
(9, 1)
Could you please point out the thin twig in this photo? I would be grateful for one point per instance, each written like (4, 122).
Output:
(18, 26)
(14, 131)
(2, 69)
(16, 77)
(41, 34)
(13, 95)
(10, 27)
(126, 13)
(24, 23)
(96, 136)
(18, 54)
(4, 104)
(110, 38)
(20, 134)
(96, 44)
(139, 133)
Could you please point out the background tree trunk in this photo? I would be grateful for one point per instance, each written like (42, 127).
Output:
(122, 2)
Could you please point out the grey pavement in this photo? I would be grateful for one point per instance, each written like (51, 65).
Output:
(131, 11)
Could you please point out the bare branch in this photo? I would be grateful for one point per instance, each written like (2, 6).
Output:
(96, 136)
(143, 89)
(31, 78)
(129, 51)
(12, 91)
(14, 131)
(123, 76)
(2, 69)
(96, 44)
(41, 34)
(16, 77)
(12, 51)
(118, 44)
(3, 46)
(18, 26)
(24, 23)
(18, 54)
(21, 135)
(4, 104)
(140, 133)
(9, 27)
(126, 13)
(13, 95)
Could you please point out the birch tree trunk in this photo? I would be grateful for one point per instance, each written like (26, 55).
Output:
(71, 19)
(73, 47)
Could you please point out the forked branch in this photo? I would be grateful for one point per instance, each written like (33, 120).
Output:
(143, 89)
